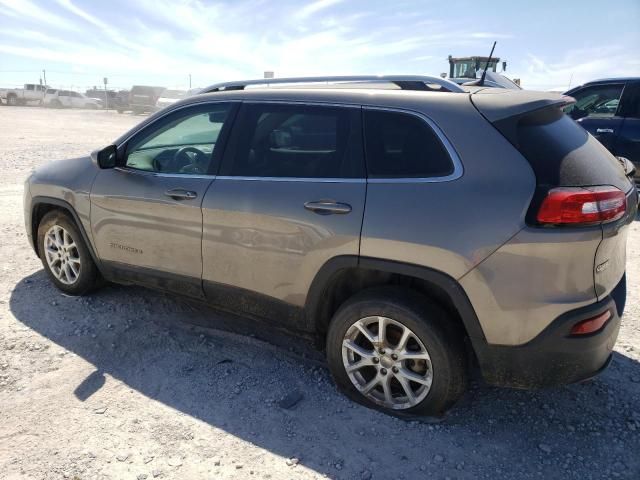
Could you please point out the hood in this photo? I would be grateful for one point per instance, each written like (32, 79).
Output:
(63, 170)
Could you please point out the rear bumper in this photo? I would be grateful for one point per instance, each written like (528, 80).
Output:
(554, 357)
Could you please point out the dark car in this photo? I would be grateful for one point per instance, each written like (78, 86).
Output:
(609, 109)
(142, 98)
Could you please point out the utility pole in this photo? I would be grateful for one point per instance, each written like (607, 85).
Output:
(44, 75)
(189, 81)
(105, 80)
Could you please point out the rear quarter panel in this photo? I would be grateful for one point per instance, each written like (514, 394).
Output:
(451, 226)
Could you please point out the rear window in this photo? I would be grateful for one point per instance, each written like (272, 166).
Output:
(303, 141)
(401, 145)
(562, 153)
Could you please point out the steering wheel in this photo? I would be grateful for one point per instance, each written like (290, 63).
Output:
(182, 162)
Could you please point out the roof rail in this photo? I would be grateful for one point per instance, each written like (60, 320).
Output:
(405, 82)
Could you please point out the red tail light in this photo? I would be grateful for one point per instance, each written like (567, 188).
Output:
(582, 205)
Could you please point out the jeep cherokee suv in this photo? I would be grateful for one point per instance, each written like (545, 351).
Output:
(416, 228)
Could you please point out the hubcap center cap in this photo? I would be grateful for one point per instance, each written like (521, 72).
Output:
(386, 362)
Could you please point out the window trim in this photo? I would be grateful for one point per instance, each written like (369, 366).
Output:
(252, 178)
(458, 169)
(223, 138)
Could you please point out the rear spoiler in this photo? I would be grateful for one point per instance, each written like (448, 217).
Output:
(498, 104)
(505, 109)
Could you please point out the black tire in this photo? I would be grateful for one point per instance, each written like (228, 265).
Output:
(55, 104)
(12, 100)
(88, 277)
(434, 327)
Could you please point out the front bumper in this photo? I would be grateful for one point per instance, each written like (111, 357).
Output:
(555, 357)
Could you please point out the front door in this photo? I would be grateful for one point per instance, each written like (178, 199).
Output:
(146, 214)
(289, 197)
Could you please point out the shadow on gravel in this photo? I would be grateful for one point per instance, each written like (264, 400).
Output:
(242, 385)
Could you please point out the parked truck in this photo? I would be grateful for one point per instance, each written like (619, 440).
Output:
(32, 93)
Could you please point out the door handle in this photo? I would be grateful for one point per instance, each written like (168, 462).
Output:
(180, 194)
(327, 207)
(604, 130)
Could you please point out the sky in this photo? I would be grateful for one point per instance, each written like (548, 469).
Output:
(547, 44)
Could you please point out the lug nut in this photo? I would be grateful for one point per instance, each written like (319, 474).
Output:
(383, 371)
(376, 360)
(394, 356)
(394, 369)
(382, 351)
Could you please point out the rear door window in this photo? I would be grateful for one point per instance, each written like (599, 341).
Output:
(599, 101)
(296, 141)
(402, 145)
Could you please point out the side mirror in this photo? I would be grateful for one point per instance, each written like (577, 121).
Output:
(105, 158)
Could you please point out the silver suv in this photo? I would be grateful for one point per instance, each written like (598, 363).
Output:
(416, 226)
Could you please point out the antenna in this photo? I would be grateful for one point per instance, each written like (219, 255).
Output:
(486, 65)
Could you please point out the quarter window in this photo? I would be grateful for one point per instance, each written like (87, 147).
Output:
(183, 143)
(297, 141)
(401, 145)
(599, 101)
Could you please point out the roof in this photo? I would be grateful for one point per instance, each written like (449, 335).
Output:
(474, 57)
(614, 79)
(356, 96)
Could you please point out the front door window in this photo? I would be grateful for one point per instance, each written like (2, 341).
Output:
(184, 144)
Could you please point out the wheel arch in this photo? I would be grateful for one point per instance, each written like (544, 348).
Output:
(41, 205)
(342, 277)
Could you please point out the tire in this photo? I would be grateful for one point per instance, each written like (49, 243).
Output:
(120, 111)
(12, 100)
(55, 104)
(82, 275)
(432, 331)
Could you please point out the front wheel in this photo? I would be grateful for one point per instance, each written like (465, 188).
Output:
(397, 351)
(65, 256)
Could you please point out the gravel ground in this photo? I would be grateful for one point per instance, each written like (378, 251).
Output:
(134, 384)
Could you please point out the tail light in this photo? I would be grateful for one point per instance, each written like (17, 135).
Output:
(582, 205)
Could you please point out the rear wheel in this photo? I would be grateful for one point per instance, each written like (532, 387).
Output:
(65, 255)
(12, 100)
(396, 351)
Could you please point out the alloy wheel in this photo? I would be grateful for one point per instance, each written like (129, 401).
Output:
(387, 362)
(62, 255)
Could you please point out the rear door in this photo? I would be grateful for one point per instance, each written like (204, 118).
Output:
(597, 110)
(289, 197)
(146, 216)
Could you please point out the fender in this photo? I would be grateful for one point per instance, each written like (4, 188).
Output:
(446, 283)
(42, 200)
